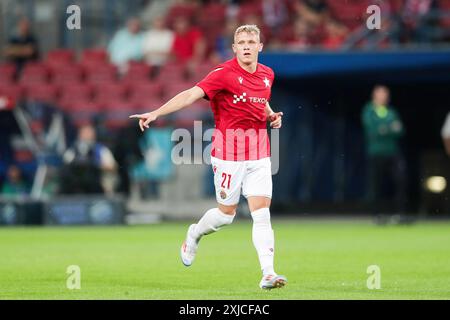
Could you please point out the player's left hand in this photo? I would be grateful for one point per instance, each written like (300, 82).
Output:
(275, 120)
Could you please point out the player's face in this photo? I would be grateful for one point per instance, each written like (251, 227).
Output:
(246, 47)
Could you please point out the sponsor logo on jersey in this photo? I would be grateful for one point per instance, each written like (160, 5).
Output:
(266, 82)
(243, 97)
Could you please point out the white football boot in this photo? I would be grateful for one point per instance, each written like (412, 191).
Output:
(272, 281)
(189, 248)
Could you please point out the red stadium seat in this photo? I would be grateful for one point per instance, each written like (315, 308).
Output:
(172, 72)
(66, 74)
(350, 12)
(107, 92)
(42, 92)
(82, 112)
(212, 15)
(75, 92)
(172, 89)
(201, 71)
(100, 73)
(34, 72)
(249, 8)
(144, 91)
(116, 113)
(94, 56)
(60, 56)
(180, 10)
(13, 91)
(445, 6)
(7, 73)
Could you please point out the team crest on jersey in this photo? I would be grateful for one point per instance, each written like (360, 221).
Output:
(266, 82)
(240, 80)
(223, 194)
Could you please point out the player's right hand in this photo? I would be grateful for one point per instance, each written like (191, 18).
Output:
(145, 119)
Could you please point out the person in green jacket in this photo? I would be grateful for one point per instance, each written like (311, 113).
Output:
(14, 185)
(383, 129)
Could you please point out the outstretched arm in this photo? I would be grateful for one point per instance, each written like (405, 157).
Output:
(273, 117)
(181, 100)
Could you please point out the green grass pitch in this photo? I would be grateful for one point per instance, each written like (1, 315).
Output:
(322, 260)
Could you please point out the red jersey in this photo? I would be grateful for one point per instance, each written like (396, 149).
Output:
(238, 99)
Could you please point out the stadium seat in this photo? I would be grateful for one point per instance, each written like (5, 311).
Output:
(42, 92)
(94, 56)
(60, 56)
(212, 15)
(444, 5)
(139, 70)
(249, 8)
(348, 12)
(34, 72)
(82, 112)
(7, 73)
(174, 88)
(66, 74)
(116, 113)
(100, 73)
(180, 9)
(144, 91)
(172, 72)
(12, 90)
(75, 92)
(107, 92)
(201, 71)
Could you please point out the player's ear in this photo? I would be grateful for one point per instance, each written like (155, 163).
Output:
(260, 47)
(234, 48)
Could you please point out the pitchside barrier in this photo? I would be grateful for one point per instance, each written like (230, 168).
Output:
(73, 210)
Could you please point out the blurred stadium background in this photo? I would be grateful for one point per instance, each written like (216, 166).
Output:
(69, 155)
(131, 56)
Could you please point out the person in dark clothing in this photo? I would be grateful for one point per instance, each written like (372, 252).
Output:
(23, 46)
(90, 166)
(383, 130)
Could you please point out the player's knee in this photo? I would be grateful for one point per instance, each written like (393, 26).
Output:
(256, 203)
(228, 210)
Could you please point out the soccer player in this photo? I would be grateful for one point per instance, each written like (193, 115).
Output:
(239, 92)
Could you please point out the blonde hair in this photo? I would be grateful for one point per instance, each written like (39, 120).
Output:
(250, 28)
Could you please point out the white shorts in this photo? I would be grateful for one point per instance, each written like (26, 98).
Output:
(253, 176)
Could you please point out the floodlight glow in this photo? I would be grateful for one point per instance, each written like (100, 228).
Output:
(436, 184)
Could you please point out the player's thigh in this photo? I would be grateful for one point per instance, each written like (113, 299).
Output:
(257, 182)
(228, 177)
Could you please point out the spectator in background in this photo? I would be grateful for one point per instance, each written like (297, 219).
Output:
(23, 46)
(300, 39)
(90, 166)
(158, 43)
(383, 129)
(14, 184)
(445, 134)
(126, 45)
(223, 42)
(413, 24)
(314, 12)
(275, 14)
(335, 35)
(188, 46)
